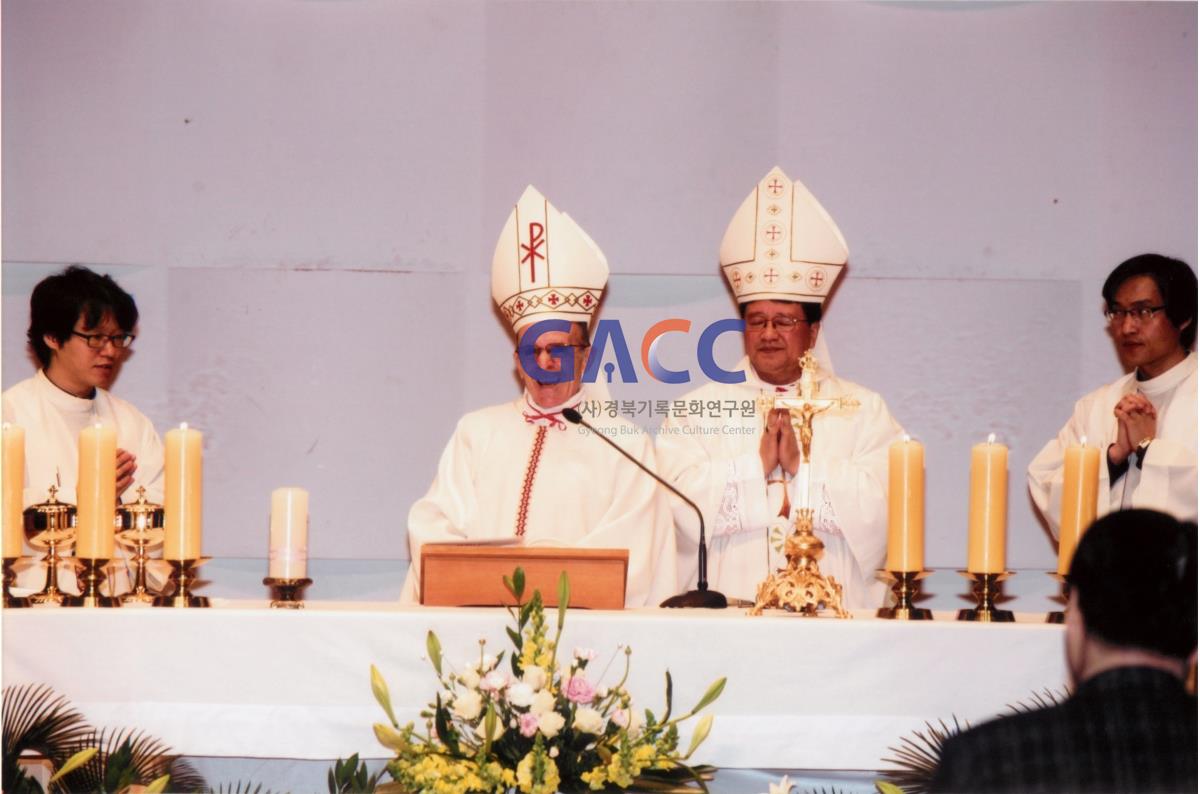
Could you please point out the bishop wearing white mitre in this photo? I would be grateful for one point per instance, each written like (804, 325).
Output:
(519, 470)
(781, 255)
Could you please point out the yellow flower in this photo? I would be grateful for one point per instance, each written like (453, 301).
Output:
(595, 778)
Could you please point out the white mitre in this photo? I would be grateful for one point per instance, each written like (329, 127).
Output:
(782, 245)
(545, 267)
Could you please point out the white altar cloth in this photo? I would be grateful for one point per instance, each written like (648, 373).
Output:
(240, 680)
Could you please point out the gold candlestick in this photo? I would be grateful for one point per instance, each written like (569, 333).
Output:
(89, 585)
(183, 578)
(986, 590)
(287, 593)
(906, 589)
(50, 525)
(1059, 616)
(141, 525)
(11, 601)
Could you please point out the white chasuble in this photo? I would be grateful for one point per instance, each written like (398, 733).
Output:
(715, 461)
(513, 471)
(1165, 481)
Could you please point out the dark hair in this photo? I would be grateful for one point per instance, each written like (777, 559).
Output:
(1135, 576)
(59, 301)
(812, 311)
(1176, 283)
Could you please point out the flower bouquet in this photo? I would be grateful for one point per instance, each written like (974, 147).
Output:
(537, 722)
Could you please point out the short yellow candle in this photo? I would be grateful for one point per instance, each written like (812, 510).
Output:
(988, 508)
(1081, 481)
(288, 555)
(183, 495)
(906, 506)
(13, 474)
(96, 493)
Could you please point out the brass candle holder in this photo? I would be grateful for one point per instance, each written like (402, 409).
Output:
(50, 525)
(141, 528)
(1059, 616)
(985, 589)
(287, 593)
(89, 585)
(11, 601)
(179, 584)
(906, 588)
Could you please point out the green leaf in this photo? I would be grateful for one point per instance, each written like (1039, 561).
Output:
(380, 689)
(74, 762)
(445, 730)
(434, 648)
(884, 787)
(703, 728)
(158, 785)
(670, 689)
(489, 729)
(564, 597)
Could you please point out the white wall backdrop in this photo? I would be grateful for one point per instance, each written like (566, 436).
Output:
(304, 197)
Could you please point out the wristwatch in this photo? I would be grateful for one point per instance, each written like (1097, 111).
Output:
(1142, 447)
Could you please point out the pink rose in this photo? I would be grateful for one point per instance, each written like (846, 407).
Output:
(528, 725)
(579, 690)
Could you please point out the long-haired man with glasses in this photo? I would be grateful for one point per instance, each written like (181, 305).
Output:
(80, 328)
(1145, 421)
(781, 255)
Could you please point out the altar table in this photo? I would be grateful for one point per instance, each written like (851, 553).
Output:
(241, 680)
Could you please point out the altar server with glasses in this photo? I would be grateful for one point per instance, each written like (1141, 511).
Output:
(521, 472)
(81, 327)
(782, 254)
(1145, 422)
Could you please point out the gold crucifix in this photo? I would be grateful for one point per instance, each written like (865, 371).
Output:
(800, 587)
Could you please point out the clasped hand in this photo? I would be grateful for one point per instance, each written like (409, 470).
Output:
(1136, 420)
(778, 446)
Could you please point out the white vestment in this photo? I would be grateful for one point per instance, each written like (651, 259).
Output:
(52, 419)
(715, 461)
(583, 493)
(1165, 481)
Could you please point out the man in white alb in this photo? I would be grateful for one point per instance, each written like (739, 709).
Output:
(1146, 420)
(519, 469)
(781, 254)
(80, 328)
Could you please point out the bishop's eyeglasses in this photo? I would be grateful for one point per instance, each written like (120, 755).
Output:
(96, 341)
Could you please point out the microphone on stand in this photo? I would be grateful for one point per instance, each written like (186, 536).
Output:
(701, 596)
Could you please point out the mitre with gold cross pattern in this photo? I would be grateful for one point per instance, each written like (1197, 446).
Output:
(782, 245)
(545, 267)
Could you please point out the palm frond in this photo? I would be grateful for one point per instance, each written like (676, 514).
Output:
(39, 720)
(1039, 700)
(239, 788)
(918, 755)
(128, 757)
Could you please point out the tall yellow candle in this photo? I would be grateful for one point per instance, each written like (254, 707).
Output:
(183, 494)
(1081, 481)
(13, 475)
(906, 506)
(96, 493)
(288, 554)
(988, 509)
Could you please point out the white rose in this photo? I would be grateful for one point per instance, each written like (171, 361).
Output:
(588, 720)
(542, 702)
(469, 678)
(520, 695)
(550, 723)
(494, 681)
(467, 705)
(535, 677)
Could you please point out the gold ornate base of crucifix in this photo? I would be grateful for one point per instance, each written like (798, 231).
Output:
(800, 587)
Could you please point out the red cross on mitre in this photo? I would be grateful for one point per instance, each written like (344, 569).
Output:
(771, 275)
(736, 277)
(775, 187)
(587, 301)
(519, 306)
(816, 278)
(773, 232)
(552, 299)
(531, 251)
